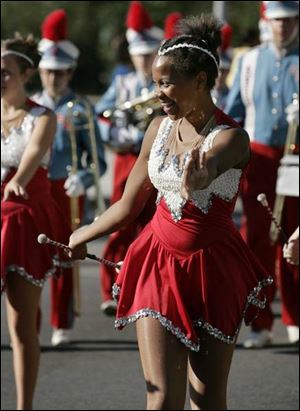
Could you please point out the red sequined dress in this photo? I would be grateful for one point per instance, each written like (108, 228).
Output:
(190, 268)
(22, 220)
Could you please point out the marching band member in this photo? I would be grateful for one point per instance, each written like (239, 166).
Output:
(72, 142)
(267, 78)
(189, 278)
(27, 209)
(125, 135)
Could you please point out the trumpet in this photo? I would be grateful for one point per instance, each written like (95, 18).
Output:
(138, 111)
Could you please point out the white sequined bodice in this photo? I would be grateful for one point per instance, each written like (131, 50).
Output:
(167, 178)
(14, 145)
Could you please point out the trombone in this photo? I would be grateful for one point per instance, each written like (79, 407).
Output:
(73, 169)
(75, 217)
(289, 148)
(94, 166)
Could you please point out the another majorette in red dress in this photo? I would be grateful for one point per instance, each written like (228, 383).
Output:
(190, 268)
(22, 220)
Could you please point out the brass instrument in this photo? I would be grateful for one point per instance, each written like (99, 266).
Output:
(289, 148)
(100, 208)
(141, 109)
(72, 169)
(90, 126)
(75, 218)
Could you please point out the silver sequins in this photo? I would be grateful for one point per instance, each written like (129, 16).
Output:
(167, 178)
(14, 145)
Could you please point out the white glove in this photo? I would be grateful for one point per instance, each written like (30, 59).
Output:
(118, 269)
(292, 112)
(73, 186)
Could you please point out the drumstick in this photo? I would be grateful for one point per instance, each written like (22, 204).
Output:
(43, 239)
(262, 198)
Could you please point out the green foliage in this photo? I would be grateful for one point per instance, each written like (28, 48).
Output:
(92, 25)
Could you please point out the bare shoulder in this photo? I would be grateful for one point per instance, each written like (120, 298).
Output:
(48, 114)
(46, 119)
(232, 147)
(151, 133)
(237, 136)
(153, 127)
(45, 125)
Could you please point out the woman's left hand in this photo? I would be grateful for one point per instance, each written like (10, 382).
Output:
(195, 175)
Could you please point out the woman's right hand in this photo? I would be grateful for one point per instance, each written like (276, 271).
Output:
(195, 175)
(14, 187)
(78, 251)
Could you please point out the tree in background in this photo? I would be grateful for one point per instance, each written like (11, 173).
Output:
(94, 24)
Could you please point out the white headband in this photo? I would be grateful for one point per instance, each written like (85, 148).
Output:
(190, 46)
(16, 53)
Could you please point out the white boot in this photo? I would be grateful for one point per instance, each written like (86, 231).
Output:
(60, 336)
(258, 339)
(293, 333)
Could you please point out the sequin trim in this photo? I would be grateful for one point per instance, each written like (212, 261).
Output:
(167, 177)
(38, 283)
(62, 263)
(215, 332)
(14, 145)
(29, 277)
(253, 296)
(116, 292)
(200, 323)
(148, 312)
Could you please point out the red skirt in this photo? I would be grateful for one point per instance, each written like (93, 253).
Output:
(22, 220)
(196, 273)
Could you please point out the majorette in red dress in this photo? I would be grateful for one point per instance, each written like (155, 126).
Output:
(190, 268)
(22, 220)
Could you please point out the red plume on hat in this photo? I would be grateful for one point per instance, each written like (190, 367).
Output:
(54, 27)
(265, 31)
(142, 36)
(226, 37)
(57, 51)
(262, 10)
(171, 23)
(225, 50)
(138, 17)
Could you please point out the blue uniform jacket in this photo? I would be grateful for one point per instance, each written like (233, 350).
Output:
(264, 86)
(61, 155)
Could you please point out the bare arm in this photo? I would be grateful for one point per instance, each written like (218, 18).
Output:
(40, 141)
(137, 191)
(230, 150)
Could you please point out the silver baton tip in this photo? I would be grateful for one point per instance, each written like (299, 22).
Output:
(42, 239)
(261, 197)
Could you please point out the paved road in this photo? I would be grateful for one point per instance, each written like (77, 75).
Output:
(100, 370)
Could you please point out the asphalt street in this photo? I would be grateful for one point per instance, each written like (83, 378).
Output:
(100, 369)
